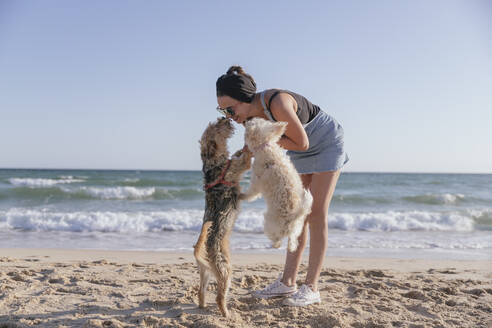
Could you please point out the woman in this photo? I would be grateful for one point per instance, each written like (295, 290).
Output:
(314, 141)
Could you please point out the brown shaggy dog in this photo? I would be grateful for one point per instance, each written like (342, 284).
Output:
(221, 184)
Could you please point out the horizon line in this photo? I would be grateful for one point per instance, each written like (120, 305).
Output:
(198, 170)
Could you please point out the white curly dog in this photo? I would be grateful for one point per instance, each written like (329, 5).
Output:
(274, 176)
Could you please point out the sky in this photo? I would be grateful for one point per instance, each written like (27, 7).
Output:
(131, 84)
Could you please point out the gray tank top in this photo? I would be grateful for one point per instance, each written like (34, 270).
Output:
(306, 111)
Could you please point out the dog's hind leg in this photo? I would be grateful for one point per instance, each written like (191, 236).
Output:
(201, 257)
(222, 291)
(223, 284)
(222, 269)
(273, 227)
(204, 280)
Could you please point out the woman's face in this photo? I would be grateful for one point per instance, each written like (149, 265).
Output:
(235, 109)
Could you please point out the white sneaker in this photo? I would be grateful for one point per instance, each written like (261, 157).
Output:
(303, 297)
(276, 289)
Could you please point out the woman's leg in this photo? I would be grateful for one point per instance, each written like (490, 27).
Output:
(322, 187)
(293, 259)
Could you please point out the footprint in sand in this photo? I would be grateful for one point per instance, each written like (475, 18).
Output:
(416, 295)
(16, 276)
(58, 280)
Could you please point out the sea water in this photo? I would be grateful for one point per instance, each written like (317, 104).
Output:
(371, 215)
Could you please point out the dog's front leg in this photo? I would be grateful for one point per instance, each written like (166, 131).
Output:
(241, 163)
(241, 160)
(254, 190)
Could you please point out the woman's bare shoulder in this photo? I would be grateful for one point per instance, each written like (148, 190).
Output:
(282, 101)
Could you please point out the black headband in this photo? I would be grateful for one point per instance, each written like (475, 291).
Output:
(237, 86)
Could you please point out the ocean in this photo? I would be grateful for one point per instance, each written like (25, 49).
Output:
(399, 215)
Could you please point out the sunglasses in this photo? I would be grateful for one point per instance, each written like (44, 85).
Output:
(226, 111)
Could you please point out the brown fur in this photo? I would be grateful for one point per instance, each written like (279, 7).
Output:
(221, 209)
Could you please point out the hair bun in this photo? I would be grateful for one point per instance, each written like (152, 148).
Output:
(236, 70)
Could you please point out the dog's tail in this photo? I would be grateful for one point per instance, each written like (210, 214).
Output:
(296, 226)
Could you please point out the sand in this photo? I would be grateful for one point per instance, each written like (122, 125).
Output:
(79, 288)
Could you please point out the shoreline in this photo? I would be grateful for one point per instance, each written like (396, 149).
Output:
(241, 258)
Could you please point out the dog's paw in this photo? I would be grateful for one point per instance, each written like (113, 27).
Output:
(243, 154)
(247, 155)
(292, 245)
(277, 244)
(248, 197)
(238, 154)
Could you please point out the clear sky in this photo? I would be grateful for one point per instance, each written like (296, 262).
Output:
(131, 84)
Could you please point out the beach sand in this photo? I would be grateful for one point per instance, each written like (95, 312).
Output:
(80, 288)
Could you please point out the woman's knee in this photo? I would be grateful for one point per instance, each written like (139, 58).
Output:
(318, 219)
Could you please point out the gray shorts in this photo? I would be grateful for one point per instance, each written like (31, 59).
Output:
(326, 151)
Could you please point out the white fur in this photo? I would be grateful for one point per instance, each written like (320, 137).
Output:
(274, 176)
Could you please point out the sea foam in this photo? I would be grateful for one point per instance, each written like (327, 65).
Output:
(436, 199)
(402, 221)
(249, 221)
(118, 192)
(40, 183)
(100, 221)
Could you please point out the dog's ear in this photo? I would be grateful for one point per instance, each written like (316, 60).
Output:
(251, 132)
(278, 129)
(209, 150)
(254, 122)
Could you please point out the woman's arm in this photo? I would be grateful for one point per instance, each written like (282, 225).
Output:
(283, 108)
